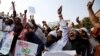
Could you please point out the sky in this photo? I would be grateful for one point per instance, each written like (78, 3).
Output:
(47, 9)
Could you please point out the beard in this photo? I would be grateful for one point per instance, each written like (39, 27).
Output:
(48, 44)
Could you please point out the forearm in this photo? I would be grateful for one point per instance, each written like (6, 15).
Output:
(93, 18)
(13, 7)
(24, 20)
(14, 14)
(47, 26)
(14, 11)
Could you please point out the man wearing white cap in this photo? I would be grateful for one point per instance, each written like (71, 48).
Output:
(62, 34)
(51, 40)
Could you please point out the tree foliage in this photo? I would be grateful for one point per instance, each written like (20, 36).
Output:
(86, 23)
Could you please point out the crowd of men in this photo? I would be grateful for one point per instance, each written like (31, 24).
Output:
(86, 42)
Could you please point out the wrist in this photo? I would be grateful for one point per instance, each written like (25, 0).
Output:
(59, 14)
(89, 8)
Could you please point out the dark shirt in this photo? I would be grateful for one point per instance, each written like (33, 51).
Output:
(32, 37)
(48, 29)
(18, 28)
(14, 14)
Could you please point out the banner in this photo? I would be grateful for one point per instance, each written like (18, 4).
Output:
(7, 44)
(24, 48)
(31, 10)
(60, 53)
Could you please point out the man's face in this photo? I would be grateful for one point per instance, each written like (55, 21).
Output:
(17, 20)
(72, 35)
(6, 21)
(49, 38)
(59, 34)
(81, 33)
(32, 21)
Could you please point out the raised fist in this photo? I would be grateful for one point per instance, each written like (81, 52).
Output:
(13, 2)
(25, 11)
(60, 10)
(90, 4)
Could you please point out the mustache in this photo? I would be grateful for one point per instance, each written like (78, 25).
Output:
(71, 35)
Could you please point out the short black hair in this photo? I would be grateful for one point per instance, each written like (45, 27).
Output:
(10, 22)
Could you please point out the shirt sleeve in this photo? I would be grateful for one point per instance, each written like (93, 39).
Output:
(58, 46)
(64, 29)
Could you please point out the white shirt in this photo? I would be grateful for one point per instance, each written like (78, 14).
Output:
(41, 35)
(8, 27)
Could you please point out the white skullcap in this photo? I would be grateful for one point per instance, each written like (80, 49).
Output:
(77, 30)
(84, 29)
(53, 33)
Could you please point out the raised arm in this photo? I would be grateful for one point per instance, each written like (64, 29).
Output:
(62, 23)
(14, 11)
(25, 18)
(73, 25)
(79, 23)
(94, 20)
(13, 5)
(45, 24)
(60, 13)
